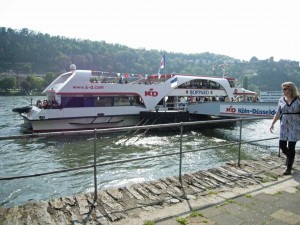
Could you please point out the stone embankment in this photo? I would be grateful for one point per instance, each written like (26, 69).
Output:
(114, 205)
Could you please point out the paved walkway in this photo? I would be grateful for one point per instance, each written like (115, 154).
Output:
(276, 203)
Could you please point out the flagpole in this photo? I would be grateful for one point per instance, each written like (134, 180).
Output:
(164, 58)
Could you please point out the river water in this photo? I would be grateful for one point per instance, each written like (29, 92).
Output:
(31, 156)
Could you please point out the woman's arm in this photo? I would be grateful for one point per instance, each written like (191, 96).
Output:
(275, 118)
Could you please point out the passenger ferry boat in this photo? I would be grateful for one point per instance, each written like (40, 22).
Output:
(84, 99)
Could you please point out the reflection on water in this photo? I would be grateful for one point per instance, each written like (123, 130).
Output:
(32, 156)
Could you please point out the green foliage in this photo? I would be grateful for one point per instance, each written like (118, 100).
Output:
(37, 83)
(7, 83)
(228, 201)
(245, 83)
(195, 214)
(277, 193)
(26, 86)
(182, 221)
(149, 222)
(248, 196)
(27, 52)
(49, 77)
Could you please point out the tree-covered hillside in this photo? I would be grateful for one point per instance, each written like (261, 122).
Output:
(27, 52)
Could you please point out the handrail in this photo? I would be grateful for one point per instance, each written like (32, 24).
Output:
(94, 132)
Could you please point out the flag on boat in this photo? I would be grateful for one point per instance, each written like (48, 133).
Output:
(162, 62)
(174, 82)
(161, 65)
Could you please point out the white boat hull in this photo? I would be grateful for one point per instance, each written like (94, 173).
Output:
(62, 124)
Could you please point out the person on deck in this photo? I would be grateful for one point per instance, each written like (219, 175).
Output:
(289, 114)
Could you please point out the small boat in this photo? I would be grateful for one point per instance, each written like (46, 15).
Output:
(85, 99)
(24, 109)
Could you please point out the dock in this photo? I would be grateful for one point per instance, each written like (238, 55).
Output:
(160, 201)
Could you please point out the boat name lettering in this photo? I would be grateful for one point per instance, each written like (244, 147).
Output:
(256, 111)
(151, 93)
(88, 87)
(199, 92)
(234, 110)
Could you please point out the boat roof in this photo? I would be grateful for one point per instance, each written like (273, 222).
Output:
(82, 79)
(155, 76)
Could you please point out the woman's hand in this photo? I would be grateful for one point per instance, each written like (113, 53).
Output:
(272, 128)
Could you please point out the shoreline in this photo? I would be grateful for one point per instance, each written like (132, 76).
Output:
(154, 200)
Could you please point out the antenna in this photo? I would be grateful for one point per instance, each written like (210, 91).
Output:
(223, 66)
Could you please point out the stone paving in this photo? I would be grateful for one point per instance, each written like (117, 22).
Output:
(277, 208)
(255, 193)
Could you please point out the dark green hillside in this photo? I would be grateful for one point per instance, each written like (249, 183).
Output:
(31, 53)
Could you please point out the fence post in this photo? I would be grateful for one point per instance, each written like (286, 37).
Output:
(95, 167)
(240, 143)
(180, 155)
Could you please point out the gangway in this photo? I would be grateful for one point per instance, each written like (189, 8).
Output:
(234, 109)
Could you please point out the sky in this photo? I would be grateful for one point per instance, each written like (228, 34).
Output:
(237, 28)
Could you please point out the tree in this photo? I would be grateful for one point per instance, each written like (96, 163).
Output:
(49, 77)
(24, 52)
(254, 59)
(245, 82)
(36, 83)
(7, 83)
(25, 85)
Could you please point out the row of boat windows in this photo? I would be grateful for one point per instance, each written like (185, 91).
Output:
(72, 102)
(203, 84)
(199, 84)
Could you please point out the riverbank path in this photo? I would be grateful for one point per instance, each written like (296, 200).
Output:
(255, 192)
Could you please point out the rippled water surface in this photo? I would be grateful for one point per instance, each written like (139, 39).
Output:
(32, 156)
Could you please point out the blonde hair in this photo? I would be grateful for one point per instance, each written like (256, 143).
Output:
(292, 87)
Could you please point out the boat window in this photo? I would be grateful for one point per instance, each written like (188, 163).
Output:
(72, 102)
(128, 101)
(231, 83)
(100, 77)
(201, 84)
(103, 101)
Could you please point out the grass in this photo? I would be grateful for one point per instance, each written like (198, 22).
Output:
(195, 214)
(272, 175)
(269, 177)
(182, 221)
(212, 193)
(228, 201)
(277, 193)
(248, 196)
(149, 222)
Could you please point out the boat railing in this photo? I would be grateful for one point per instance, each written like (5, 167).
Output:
(182, 106)
(95, 151)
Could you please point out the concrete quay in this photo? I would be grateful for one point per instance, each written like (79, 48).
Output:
(254, 193)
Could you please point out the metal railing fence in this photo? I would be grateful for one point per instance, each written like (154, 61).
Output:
(95, 132)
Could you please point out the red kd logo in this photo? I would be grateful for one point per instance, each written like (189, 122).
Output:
(151, 93)
(231, 109)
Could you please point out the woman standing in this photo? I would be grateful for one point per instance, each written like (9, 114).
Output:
(289, 114)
